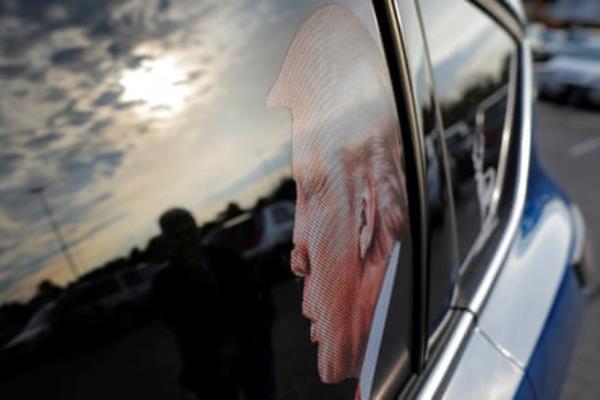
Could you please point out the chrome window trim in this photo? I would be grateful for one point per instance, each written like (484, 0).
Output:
(403, 75)
(505, 14)
(506, 135)
(465, 323)
(415, 11)
(492, 223)
(511, 86)
(451, 351)
(516, 6)
(441, 369)
(526, 74)
(438, 332)
(434, 337)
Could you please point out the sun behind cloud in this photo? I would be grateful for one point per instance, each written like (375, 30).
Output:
(158, 85)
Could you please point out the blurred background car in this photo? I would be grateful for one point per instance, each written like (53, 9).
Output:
(571, 76)
(263, 236)
(565, 41)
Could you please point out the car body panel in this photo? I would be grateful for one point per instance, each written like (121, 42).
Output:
(528, 290)
(427, 338)
(546, 367)
(536, 302)
(483, 370)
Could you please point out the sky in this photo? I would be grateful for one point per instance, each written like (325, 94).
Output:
(459, 31)
(122, 109)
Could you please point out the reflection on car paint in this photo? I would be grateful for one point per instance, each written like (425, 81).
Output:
(115, 115)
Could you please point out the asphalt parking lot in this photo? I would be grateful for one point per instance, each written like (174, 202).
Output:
(569, 146)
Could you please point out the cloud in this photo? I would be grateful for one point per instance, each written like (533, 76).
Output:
(136, 61)
(9, 162)
(81, 210)
(68, 56)
(191, 77)
(80, 168)
(6, 223)
(12, 71)
(78, 118)
(111, 158)
(36, 76)
(69, 115)
(55, 94)
(108, 97)
(100, 125)
(43, 141)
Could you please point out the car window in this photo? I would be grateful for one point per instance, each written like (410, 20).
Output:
(440, 239)
(473, 67)
(157, 135)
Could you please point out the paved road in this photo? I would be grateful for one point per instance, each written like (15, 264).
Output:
(569, 146)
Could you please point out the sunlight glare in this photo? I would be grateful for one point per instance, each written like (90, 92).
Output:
(159, 85)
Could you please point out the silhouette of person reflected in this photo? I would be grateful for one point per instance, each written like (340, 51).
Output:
(220, 317)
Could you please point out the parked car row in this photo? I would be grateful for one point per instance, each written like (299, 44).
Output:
(84, 315)
(568, 65)
(262, 236)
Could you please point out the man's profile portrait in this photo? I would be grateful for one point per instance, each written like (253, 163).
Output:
(351, 207)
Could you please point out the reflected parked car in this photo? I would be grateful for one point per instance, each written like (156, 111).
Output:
(264, 233)
(33, 335)
(277, 223)
(572, 76)
(545, 42)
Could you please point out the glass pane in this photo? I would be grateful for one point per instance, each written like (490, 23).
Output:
(441, 241)
(159, 161)
(472, 58)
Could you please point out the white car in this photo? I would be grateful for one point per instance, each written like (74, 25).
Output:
(573, 76)
(277, 223)
(257, 233)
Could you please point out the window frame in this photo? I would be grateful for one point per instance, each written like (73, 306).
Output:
(414, 152)
(436, 354)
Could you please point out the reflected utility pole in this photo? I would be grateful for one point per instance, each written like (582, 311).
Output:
(64, 248)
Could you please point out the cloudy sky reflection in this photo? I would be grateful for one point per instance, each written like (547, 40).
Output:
(122, 109)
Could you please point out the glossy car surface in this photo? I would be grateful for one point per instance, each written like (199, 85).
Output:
(205, 199)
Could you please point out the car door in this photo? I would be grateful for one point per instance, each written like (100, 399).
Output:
(143, 136)
(481, 77)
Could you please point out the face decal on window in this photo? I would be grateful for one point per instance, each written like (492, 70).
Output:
(347, 162)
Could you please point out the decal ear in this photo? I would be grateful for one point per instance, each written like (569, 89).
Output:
(366, 221)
